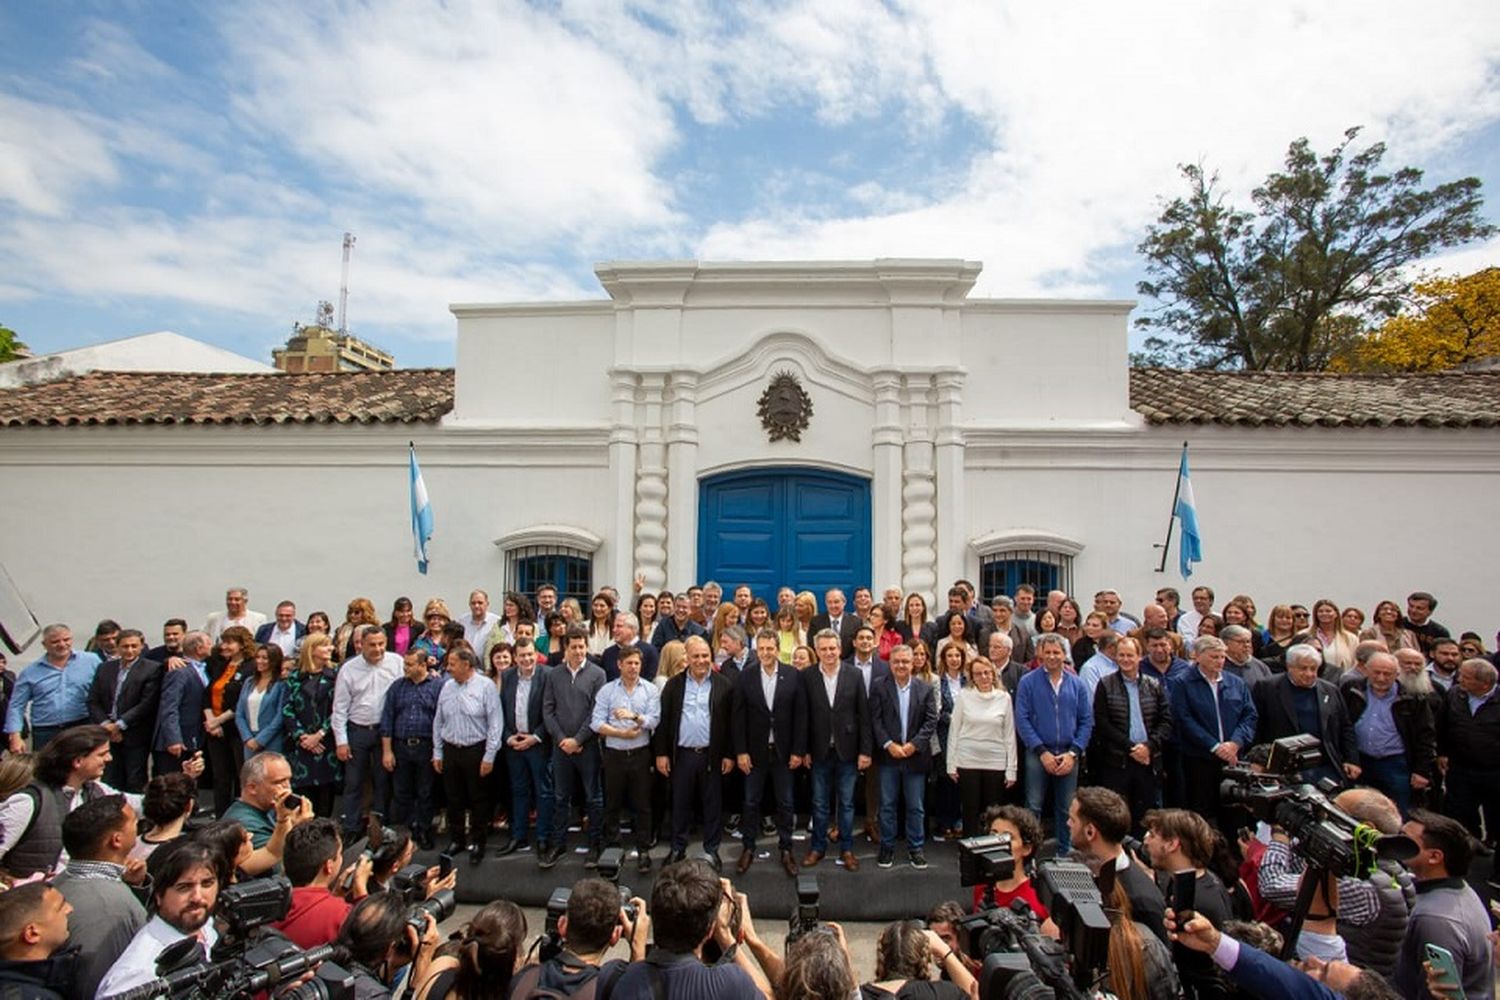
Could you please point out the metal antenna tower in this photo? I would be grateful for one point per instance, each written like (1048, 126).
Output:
(344, 286)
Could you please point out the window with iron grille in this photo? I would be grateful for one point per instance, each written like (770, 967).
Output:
(569, 570)
(1003, 572)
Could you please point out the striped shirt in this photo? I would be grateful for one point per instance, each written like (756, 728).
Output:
(644, 701)
(467, 713)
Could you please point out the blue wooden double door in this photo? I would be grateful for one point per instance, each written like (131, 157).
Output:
(802, 528)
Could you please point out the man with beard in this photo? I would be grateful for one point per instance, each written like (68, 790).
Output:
(182, 901)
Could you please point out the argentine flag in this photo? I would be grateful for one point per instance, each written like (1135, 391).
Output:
(421, 513)
(1189, 547)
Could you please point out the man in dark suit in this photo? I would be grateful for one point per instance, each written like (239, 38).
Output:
(871, 668)
(843, 623)
(903, 714)
(1132, 723)
(769, 719)
(123, 699)
(527, 751)
(937, 629)
(694, 749)
(839, 742)
(1299, 702)
(179, 714)
(627, 630)
(284, 630)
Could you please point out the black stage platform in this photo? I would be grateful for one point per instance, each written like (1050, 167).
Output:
(870, 894)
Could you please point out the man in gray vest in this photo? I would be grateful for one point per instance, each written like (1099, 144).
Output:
(101, 882)
(68, 772)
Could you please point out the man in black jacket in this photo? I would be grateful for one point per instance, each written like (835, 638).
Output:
(1467, 739)
(769, 725)
(839, 744)
(1099, 821)
(33, 930)
(1395, 731)
(123, 699)
(1132, 723)
(694, 749)
(1299, 702)
(528, 753)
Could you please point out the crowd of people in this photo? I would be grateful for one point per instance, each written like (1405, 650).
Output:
(1101, 736)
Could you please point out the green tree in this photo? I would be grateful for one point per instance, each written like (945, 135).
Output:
(10, 345)
(1454, 321)
(1324, 254)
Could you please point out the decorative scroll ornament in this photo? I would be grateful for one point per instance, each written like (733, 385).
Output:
(785, 407)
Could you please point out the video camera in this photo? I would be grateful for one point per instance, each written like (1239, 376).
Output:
(1326, 836)
(985, 860)
(249, 958)
(804, 919)
(1019, 961)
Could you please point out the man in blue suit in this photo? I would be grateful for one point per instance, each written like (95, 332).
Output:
(284, 631)
(904, 714)
(527, 750)
(1215, 718)
(768, 726)
(179, 718)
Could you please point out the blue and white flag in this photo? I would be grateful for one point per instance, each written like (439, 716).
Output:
(421, 513)
(1189, 546)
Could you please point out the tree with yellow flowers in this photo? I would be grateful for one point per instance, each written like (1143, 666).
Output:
(1455, 320)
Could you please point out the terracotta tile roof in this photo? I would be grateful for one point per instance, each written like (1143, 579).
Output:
(116, 398)
(1281, 399)
(423, 395)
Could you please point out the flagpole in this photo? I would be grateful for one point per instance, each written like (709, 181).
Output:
(1166, 546)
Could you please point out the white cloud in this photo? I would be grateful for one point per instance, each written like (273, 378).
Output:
(46, 157)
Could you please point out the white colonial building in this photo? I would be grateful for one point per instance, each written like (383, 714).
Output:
(814, 424)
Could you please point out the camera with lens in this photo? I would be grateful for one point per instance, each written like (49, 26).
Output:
(985, 860)
(410, 882)
(1326, 836)
(551, 943)
(440, 907)
(1018, 960)
(610, 860)
(249, 958)
(804, 919)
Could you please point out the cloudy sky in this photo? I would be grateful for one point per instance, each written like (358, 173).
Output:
(192, 166)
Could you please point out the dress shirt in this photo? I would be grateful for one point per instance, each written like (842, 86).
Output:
(359, 693)
(768, 686)
(56, 694)
(1137, 720)
(523, 702)
(467, 713)
(478, 633)
(136, 965)
(1476, 703)
(114, 704)
(1095, 669)
(642, 700)
(409, 708)
(830, 684)
(696, 721)
(1376, 728)
(867, 671)
(903, 703)
(286, 640)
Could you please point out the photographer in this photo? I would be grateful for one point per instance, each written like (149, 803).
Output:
(376, 943)
(691, 905)
(1100, 820)
(1352, 901)
(314, 863)
(185, 874)
(262, 809)
(1180, 842)
(818, 968)
(905, 958)
(593, 924)
(481, 962)
(1257, 974)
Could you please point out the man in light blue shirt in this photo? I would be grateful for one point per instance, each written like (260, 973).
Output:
(627, 711)
(465, 739)
(1101, 664)
(56, 687)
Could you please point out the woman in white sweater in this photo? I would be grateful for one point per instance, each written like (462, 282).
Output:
(982, 744)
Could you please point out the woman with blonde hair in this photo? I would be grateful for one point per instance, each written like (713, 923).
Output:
(671, 662)
(806, 607)
(16, 771)
(981, 743)
(360, 612)
(726, 615)
(786, 632)
(1338, 642)
(307, 722)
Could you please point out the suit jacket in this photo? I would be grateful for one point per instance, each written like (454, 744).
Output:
(179, 716)
(842, 728)
(508, 688)
(299, 629)
(879, 668)
(138, 697)
(269, 735)
(389, 628)
(610, 660)
(1278, 718)
(1196, 717)
(848, 625)
(720, 703)
(921, 721)
(754, 723)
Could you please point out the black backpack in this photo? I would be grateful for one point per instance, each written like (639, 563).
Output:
(527, 985)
